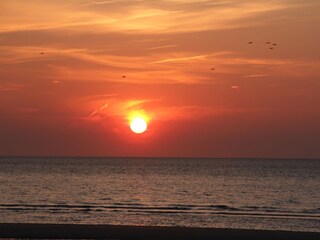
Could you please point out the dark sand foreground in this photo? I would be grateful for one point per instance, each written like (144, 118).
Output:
(79, 231)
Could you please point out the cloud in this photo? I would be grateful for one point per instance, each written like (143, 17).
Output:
(8, 87)
(101, 108)
(156, 110)
(147, 41)
(138, 16)
(22, 54)
(182, 59)
(116, 107)
(162, 47)
(255, 76)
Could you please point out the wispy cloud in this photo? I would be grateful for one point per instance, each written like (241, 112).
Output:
(14, 55)
(162, 47)
(156, 109)
(182, 59)
(255, 76)
(10, 87)
(101, 2)
(145, 16)
(117, 107)
(96, 111)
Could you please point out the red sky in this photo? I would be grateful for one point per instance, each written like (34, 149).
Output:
(73, 101)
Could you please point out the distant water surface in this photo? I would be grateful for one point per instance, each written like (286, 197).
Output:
(269, 194)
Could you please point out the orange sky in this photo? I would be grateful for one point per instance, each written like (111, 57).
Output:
(73, 101)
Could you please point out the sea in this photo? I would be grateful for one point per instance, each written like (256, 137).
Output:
(270, 194)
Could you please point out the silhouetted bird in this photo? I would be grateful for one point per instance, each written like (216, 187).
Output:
(123, 76)
(268, 42)
(250, 42)
(42, 53)
(274, 44)
(271, 48)
(213, 69)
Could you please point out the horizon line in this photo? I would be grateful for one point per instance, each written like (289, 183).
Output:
(166, 157)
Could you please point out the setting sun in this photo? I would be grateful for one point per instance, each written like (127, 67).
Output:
(138, 120)
(138, 125)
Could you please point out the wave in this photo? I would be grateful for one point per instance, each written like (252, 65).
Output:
(138, 208)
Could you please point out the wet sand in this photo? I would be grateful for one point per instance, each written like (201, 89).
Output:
(80, 231)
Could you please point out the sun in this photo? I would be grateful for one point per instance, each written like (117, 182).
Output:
(138, 125)
(138, 121)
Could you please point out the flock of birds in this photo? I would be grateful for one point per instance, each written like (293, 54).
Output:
(270, 45)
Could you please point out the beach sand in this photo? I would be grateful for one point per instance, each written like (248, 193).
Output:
(80, 231)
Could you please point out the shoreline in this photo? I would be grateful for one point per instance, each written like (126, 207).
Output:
(121, 232)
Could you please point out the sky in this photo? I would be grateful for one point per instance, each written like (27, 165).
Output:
(189, 67)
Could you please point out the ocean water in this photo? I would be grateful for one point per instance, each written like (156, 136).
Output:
(270, 194)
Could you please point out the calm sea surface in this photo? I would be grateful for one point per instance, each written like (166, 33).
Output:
(224, 193)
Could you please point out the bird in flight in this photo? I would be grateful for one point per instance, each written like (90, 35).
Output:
(250, 42)
(123, 76)
(268, 42)
(213, 69)
(42, 53)
(274, 44)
